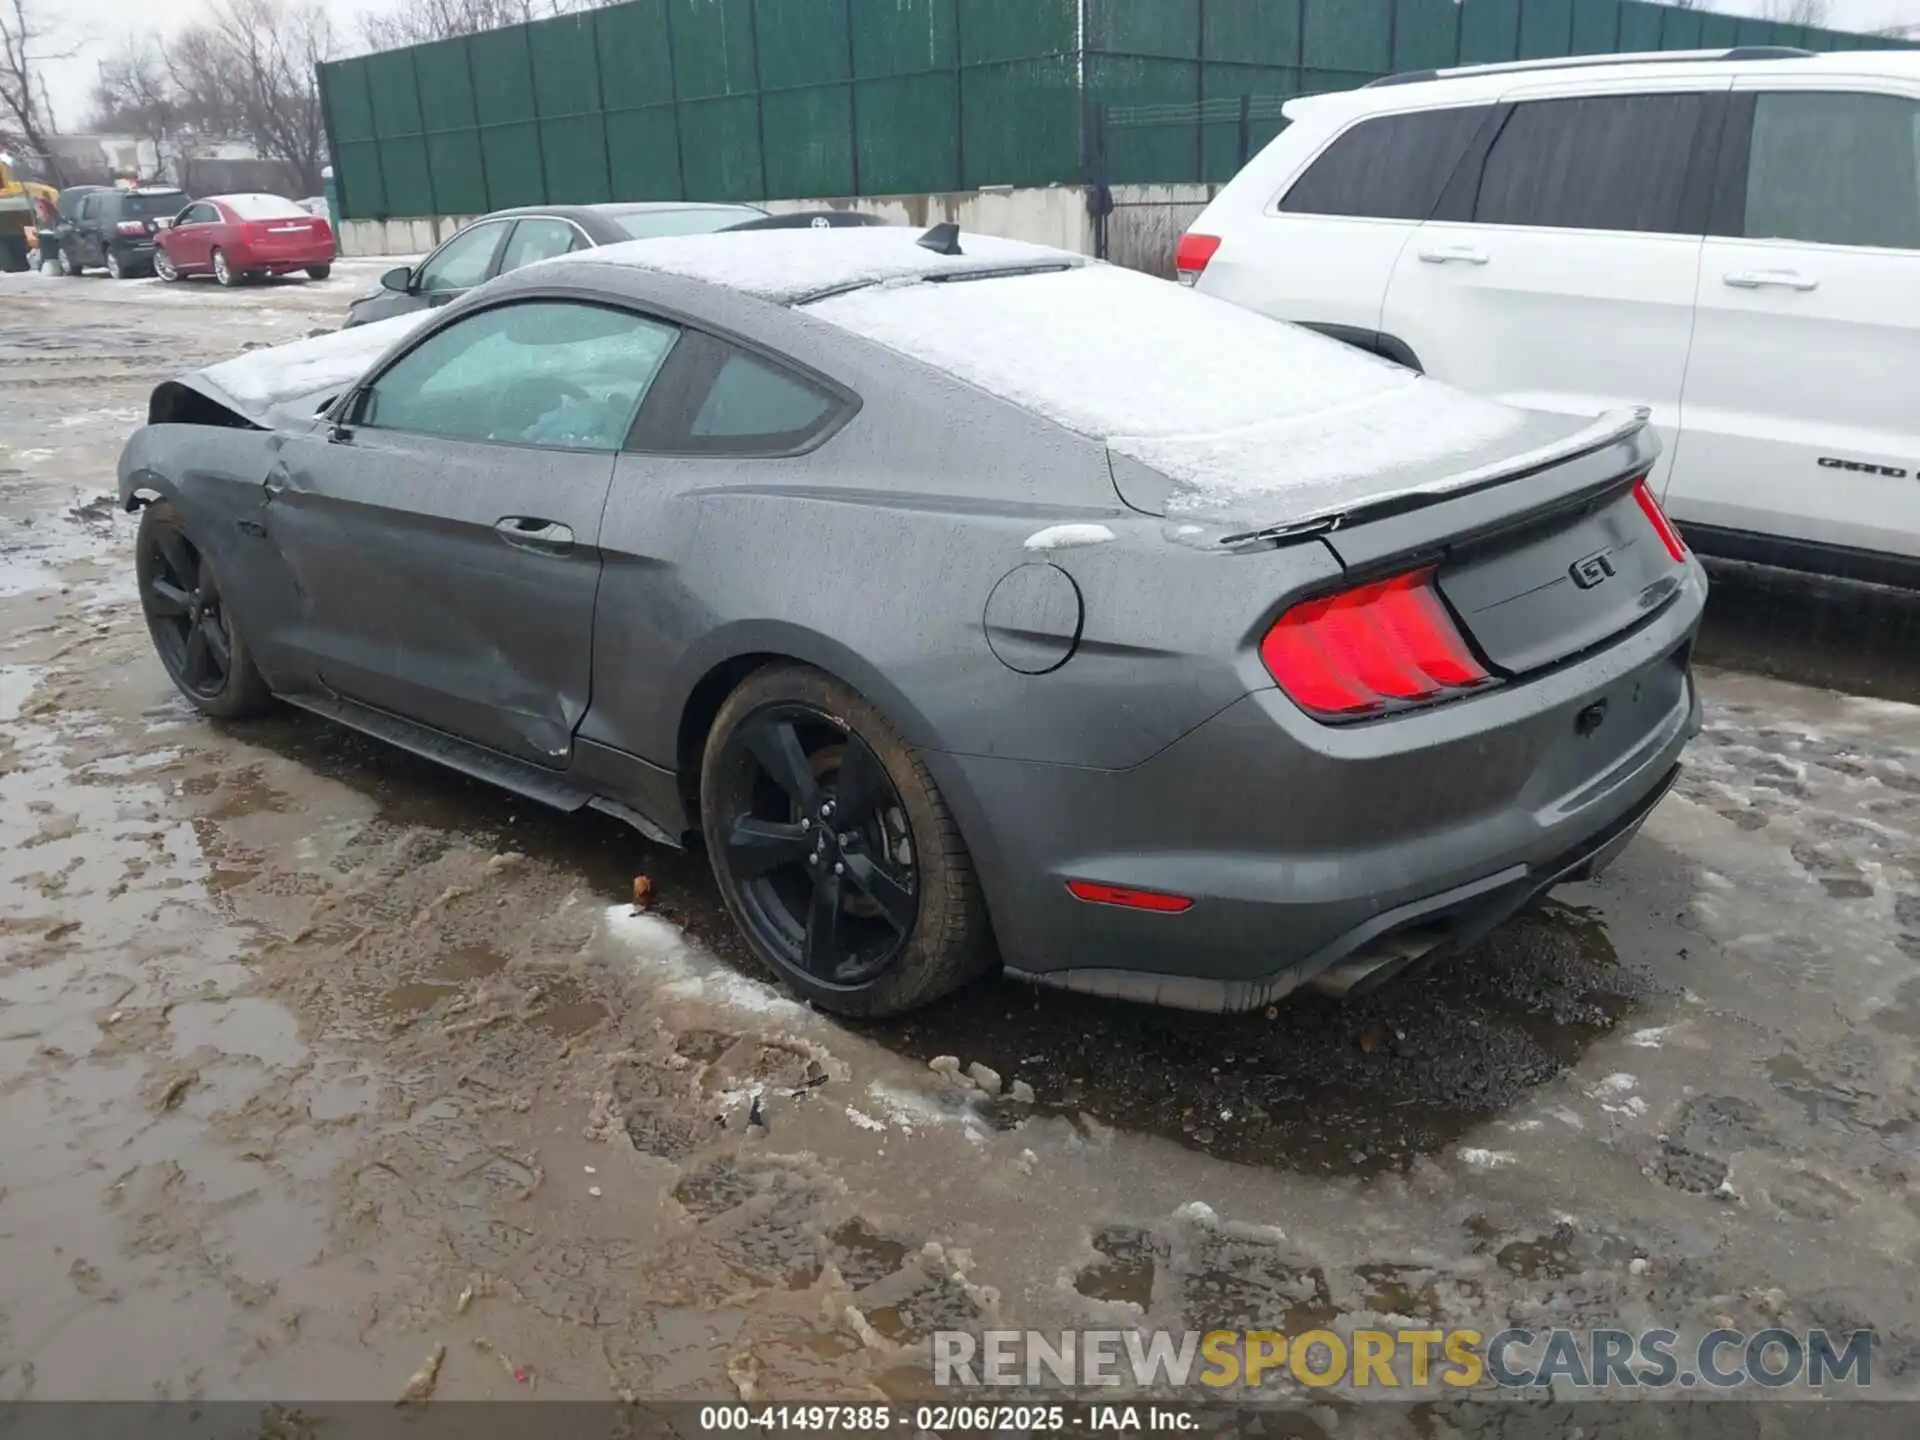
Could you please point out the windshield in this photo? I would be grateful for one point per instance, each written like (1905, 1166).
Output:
(135, 205)
(652, 224)
(263, 207)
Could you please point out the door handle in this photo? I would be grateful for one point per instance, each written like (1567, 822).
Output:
(1784, 279)
(1450, 254)
(529, 532)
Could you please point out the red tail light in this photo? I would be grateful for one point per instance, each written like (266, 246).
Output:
(1384, 645)
(132, 227)
(1156, 900)
(1656, 517)
(1191, 255)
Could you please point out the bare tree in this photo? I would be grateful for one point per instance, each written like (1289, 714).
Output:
(1796, 12)
(28, 42)
(248, 70)
(135, 93)
(416, 21)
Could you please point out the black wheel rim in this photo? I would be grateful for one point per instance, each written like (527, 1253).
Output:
(184, 612)
(817, 846)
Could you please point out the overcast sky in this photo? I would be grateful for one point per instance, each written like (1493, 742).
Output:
(98, 26)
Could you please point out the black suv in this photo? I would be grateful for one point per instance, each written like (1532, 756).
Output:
(114, 229)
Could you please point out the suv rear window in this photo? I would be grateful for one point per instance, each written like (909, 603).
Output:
(135, 205)
(1392, 167)
(1607, 162)
(1835, 169)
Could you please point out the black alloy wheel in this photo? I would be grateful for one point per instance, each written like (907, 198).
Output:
(819, 846)
(185, 614)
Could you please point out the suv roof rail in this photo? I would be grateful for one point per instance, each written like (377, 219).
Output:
(1573, 62)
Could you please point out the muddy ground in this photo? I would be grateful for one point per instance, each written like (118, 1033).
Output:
(314, 1057)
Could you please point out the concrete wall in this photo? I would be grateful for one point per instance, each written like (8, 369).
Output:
(1145, 221)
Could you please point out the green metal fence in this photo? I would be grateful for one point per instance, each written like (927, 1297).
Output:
(712, 100)
(1186, 90)
(760, 99)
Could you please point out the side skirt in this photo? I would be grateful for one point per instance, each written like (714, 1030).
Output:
(600, 778)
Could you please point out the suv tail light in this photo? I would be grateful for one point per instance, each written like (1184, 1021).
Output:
(1191, 255)
(132, 227)
(1656, 517)
(1382, 646)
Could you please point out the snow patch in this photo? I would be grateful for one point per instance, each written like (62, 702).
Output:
(1258, 421)
(16, 684)
(284, 372)
(1481, 1159)
(1650, 1039)
(685, 970)
(788, 265)
(864, 1120)
(1069, 537)
(1199, 1212)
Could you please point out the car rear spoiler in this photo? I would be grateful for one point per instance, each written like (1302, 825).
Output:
(1626, 429)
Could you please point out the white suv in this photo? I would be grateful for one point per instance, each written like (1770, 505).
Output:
(1731, 237)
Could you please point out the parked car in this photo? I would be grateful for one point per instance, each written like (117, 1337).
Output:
(1234, 658)
(508, 239)
(115, 228)
(66, 207)
(235, 238)
(1732, 237)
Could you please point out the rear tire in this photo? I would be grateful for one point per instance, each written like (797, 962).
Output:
(116, 267)
(63, 265)
(319, 272)
(198, 642)
(224, 272)
(877, 919)
(13, 254)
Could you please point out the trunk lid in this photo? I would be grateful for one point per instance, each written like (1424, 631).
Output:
(1539, 565)
(280, 237)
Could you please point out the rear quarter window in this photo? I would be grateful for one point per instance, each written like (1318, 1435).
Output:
(1392, 167)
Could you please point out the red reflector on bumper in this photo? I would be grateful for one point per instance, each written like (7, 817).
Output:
(1155, 900)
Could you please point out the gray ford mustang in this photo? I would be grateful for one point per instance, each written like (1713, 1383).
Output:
(977, 603)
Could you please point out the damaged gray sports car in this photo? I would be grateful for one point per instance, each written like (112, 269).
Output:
(973, 602)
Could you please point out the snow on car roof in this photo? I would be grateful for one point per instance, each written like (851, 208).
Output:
(789, 265)
(1236, 408)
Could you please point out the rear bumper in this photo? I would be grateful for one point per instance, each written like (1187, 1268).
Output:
(1305, 847)
(281, 261)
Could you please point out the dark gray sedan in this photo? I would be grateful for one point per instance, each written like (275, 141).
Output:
(975, 602)
(504, 241)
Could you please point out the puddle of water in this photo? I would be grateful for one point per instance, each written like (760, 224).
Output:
(449, 976)
(1125, 1271)
(244, 1025)
(16, 681)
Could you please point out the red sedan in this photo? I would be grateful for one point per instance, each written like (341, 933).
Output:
(235, 237)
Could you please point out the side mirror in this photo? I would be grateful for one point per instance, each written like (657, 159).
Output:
(399, 278)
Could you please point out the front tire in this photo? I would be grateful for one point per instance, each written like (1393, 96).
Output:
(164, 267)
(63, 265)
(834, 851)
(193, 632)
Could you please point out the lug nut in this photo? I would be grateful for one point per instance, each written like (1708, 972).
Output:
(806, 824)
(839, 869)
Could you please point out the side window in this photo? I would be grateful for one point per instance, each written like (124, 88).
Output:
(755, 405)
(201, 214)
(1604, 162)
(540, 372)
(1835, 169)
(537, 240)
(1389, 168)
(462, 262)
